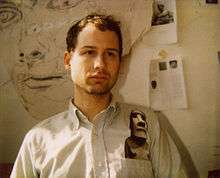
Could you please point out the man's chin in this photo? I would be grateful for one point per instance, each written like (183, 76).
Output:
(99, 89)
(98, 92)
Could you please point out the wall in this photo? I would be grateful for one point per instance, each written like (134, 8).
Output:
(198, 43)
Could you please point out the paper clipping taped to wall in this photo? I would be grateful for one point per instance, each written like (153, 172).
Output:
(164, 23)
(167, 86)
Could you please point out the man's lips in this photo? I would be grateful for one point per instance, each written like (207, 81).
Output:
(99, 76)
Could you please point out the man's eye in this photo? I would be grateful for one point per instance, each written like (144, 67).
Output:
(90, 52)
(111, 54)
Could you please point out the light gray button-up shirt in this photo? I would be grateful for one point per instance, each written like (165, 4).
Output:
(68, 145)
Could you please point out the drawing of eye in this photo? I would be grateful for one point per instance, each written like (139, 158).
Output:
(35, 54)
(9, 14)
(63, 4)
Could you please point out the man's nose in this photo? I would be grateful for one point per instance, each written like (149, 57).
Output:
(99, 62)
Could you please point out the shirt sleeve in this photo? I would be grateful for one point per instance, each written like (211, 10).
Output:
(24, 165)
(165, 157)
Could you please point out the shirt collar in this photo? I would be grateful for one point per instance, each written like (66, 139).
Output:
(72, 114)
(76, 115)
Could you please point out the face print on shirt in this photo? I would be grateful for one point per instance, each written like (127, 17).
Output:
(137, 146)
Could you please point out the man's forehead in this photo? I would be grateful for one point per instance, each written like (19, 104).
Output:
(93, 36)
(92, 28)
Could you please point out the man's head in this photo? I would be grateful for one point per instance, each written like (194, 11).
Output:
(138, 124)
(94, 48)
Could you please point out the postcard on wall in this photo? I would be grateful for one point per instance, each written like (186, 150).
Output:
(164, 23)
(167, 86)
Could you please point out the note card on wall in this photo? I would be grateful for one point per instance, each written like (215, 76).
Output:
(167, 86)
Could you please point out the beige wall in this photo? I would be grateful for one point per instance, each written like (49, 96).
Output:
(198, 43)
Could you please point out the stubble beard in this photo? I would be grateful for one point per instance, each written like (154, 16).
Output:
(91, 89)
(101, 90)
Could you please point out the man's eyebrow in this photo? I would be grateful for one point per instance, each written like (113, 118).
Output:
(93, 47)
(113, 49)
(90, 47)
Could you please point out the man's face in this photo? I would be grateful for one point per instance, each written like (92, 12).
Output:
(95, 60)
(139, 126)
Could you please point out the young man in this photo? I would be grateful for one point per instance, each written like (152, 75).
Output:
(89, 139)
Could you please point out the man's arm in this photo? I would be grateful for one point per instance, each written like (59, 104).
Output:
(166, 159)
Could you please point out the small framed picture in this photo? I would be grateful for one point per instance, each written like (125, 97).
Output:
(173, 64)
(162, 65)
(212, 1)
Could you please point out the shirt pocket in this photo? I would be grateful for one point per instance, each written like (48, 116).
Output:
(133, 168)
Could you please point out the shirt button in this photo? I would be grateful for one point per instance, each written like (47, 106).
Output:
(94, 132)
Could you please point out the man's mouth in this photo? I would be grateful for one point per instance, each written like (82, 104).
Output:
(99, 77)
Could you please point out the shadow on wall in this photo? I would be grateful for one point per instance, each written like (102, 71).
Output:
(5, 170)
(185, 155)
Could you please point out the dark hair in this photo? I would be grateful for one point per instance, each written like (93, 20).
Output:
(102, 22)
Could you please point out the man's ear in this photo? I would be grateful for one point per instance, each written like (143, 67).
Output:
(67, 57)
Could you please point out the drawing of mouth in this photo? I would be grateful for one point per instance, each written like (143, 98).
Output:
(39, 82)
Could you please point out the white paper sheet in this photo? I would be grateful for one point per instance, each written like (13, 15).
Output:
(167, 86)
(164, 24)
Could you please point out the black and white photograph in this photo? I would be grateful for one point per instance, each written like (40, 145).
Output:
(162, 13)
(173, 64)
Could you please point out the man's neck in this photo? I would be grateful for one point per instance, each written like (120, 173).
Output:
(90, 104)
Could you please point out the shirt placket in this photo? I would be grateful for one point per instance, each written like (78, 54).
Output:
(100, 161)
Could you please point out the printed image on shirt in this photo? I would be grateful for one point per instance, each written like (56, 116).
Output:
(137, 146)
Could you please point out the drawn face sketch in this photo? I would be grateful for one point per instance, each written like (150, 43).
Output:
(40, 77)
(139, 127)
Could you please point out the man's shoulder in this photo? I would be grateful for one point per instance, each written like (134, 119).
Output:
(150, 114)
(128, 107)
(50, 125)
(52, 121)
